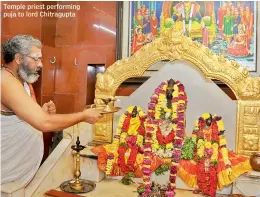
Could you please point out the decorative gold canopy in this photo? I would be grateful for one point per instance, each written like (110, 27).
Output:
(175, 46)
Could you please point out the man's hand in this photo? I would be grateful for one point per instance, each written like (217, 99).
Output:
(91, 116)
(49, 108)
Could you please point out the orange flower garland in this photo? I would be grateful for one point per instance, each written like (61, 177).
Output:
(125, 139)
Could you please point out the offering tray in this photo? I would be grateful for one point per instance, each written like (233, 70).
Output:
(102, 110)
(87, 186)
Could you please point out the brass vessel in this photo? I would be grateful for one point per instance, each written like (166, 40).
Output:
(255, 161)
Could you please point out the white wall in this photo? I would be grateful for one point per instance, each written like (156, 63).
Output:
(203, 96)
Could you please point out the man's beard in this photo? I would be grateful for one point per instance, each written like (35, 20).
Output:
(27, 74)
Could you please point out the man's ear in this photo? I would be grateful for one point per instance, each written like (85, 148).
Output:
(18, 58)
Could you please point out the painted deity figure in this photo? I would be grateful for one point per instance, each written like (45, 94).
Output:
(142, 8)
(228, 26)
(237, 21)
(146, 22)
(192, 11)
(138, 19)
(125, 154)
(239, 46)
(232, 10)
(213, 166)
(221, 13)
(248, 21)
(153, 24)
(209, 8)
(187, 13)
(205, 35)
(138, 40)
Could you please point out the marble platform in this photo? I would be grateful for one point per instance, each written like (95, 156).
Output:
(89, 167)
(114, 188)
(247, 184)
(94, 174)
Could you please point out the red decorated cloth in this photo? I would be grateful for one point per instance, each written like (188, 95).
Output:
(116, 170)
(239, 165)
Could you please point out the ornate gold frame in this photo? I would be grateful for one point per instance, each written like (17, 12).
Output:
(175, 46)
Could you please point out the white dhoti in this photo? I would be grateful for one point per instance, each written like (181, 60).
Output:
(21, 150)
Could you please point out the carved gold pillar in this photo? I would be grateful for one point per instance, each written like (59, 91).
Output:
(248, 127)
(103, 129)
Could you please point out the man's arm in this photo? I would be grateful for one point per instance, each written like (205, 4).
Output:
(15, 98)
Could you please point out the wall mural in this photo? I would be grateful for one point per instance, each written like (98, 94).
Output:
(227, 27)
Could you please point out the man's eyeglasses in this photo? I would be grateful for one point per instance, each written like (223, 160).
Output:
(36, 59)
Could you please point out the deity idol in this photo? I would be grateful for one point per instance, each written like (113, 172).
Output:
(125, 154)
(212, 166)
(165, 130)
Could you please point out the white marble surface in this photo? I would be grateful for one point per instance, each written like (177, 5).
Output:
(248, 184)
(90, 171)
(114, 188)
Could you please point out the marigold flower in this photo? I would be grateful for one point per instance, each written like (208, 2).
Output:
(208, 145)
(222, 141)
(169, 146)
(220, 125)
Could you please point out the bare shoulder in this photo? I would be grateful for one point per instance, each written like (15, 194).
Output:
(10, 88)
(7, 78)
(16, 99)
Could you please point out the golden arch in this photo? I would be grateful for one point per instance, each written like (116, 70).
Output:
(175, 46)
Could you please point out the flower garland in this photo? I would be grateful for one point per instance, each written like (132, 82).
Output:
(209, 141)
(158, 111)
(188, 149)
(126, 140)
(217, 141)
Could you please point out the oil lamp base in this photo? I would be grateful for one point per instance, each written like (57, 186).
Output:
(72, 187)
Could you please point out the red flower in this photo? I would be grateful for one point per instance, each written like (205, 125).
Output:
(122, 150)
(148, 145)
(181, 88)
(152, 114)
(209, 151)
(126, 123)
(202, 124)
(141, 130)
(175, 99)
(132, 156)
(172, 179)
(148, 128)
(149, 134)
(131, 140)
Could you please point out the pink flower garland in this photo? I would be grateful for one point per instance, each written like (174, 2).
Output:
(178, 139)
